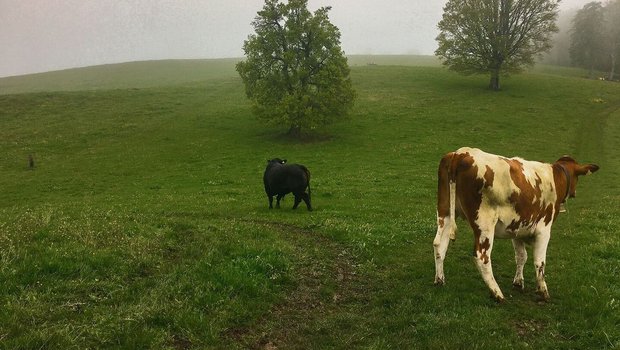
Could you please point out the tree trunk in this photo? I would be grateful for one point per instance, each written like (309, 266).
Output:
(294, 131)
(494, 83)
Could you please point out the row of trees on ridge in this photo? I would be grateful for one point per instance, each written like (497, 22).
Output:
(595, 37)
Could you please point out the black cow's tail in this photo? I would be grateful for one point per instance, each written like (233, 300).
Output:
(307, 172)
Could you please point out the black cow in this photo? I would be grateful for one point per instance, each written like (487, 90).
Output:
(281, 178)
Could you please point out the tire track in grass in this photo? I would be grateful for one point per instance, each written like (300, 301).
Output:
(598, 140)
(327, 281)
(596, 136)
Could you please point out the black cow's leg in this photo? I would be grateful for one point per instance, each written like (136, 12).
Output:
(270, 202)
(297, 201)
(280, 196)
(306, 198)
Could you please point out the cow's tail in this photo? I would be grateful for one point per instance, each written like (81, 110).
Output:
(446, 194)
(307, 172)
(452, 180)
(452, 209)
(446, 210)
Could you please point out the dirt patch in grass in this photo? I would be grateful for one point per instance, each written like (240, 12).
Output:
(327, 280)
(528, 328)
(180, 342)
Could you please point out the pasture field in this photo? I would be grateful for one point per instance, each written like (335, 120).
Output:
(144, 223)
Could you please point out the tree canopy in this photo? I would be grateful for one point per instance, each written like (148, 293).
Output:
(295, 72)
(595, 37)
(587, 48)
(495, 36)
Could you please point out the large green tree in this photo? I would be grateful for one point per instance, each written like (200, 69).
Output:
(495, 36)
(295, 72)
(588, 37)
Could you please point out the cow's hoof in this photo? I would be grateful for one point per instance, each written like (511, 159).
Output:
(518, 285)
(498, 298)
(439, 281)
(543, 296)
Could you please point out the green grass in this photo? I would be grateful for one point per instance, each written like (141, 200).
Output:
(144, 223)
(160, 73)
(121, 76)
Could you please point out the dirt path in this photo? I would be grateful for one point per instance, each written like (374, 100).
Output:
(327, 281)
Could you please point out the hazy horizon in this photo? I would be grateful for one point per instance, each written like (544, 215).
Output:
(46, 35)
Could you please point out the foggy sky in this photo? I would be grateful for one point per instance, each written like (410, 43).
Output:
(44, 35)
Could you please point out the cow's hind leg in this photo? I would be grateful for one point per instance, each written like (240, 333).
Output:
(297, 200)
(540, 252)
(270, 201)
(520, 259)
(306, 198)
(483, 246)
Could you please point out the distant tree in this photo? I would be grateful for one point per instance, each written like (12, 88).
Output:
(295, 72)
(559, 55)
(612, 23)
(495, 36)
(587, 49)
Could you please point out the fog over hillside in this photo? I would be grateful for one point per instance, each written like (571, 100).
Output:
(44, 35)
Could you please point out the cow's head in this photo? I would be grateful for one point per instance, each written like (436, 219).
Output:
(276, 161)
(573, 170)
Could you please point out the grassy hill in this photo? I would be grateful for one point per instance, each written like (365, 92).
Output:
(160, 73)
(144, 223)
(121, 76)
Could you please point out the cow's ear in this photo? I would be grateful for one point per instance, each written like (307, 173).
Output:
(587, 169)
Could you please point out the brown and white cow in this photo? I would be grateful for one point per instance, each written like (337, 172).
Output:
(504, 198)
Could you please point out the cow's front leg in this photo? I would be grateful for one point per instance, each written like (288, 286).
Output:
(540, 254)
(520, 259)
(482, 254)
(278, 198)
(270, 201)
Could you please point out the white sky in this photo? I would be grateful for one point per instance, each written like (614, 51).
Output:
(44, 35)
